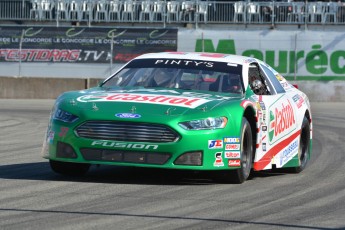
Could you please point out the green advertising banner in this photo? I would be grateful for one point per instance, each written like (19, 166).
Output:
(82, 44)
(310, 55)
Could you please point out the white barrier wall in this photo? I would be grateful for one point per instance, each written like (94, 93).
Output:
(302, 55)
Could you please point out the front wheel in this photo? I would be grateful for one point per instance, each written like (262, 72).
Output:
(68, 168)
(240, 175)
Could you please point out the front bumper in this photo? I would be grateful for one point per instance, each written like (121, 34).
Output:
(205, 150)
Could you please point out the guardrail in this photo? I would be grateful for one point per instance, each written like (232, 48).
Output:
(194, 12)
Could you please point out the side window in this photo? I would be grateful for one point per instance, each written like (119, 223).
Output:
(276, 84)
(258, 82)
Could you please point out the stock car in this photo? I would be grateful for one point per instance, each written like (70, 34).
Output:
(183, 110)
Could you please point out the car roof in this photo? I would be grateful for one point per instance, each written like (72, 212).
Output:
(217, 57)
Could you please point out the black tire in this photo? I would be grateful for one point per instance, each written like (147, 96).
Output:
(240, 175)
(68, 168)
(303, 148)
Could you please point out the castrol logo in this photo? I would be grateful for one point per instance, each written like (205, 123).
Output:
(189, 102)
(282, 120)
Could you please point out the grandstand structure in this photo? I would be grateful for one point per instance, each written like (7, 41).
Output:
(163, 13)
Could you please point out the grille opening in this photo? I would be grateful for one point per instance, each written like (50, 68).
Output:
(125, 156)
(127, 131)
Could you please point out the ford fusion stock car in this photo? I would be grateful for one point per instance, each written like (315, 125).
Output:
(187, 111)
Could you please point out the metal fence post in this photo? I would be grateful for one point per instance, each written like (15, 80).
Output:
(20, 53)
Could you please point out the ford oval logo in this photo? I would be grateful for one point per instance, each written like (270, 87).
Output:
(127, 115)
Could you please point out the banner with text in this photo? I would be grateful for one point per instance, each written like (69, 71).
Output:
(82, 44)
(309, 54)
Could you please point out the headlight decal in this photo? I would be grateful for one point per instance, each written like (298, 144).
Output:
(202, 124)
(64, 116)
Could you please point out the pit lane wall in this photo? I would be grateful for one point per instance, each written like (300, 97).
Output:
(315, 60)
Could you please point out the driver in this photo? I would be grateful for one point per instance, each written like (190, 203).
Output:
(257, 86)
(162, 77)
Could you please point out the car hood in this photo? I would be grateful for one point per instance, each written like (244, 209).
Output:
(145, 102)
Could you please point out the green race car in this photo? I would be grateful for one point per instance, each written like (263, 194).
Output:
(194, 111)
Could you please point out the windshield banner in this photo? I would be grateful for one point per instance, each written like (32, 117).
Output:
(82, 44)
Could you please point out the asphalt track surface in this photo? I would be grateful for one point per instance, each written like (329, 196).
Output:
(33, 197)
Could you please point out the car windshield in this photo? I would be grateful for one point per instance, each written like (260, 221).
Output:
(208, 76)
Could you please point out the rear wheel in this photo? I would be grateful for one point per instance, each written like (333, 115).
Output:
(68, 168)
(303, 148)
(240, 175)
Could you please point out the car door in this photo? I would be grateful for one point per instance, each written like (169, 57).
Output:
(276, 117)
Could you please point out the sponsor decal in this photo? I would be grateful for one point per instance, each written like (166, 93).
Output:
(262, 105)
(232, 147)
(215, 144)
(232, 154)
(285, 85)
(288, 152)
(258, 106)
(114, 144)
(63, 131)
(263, 163)
(127, 115)
(82, 45)
(298, 100)
(279, 77)
(264, 116)
(264, 147)
(146, 98)
(281, 121)
(219, 160)
(178, 62)
(50, 137)
(234, 163)
(229, 140)
(153, 92)
(259, 114)
(40, 55)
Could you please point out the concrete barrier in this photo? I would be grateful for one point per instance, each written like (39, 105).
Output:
(323, 91)
(50, 88)
(41, 88)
